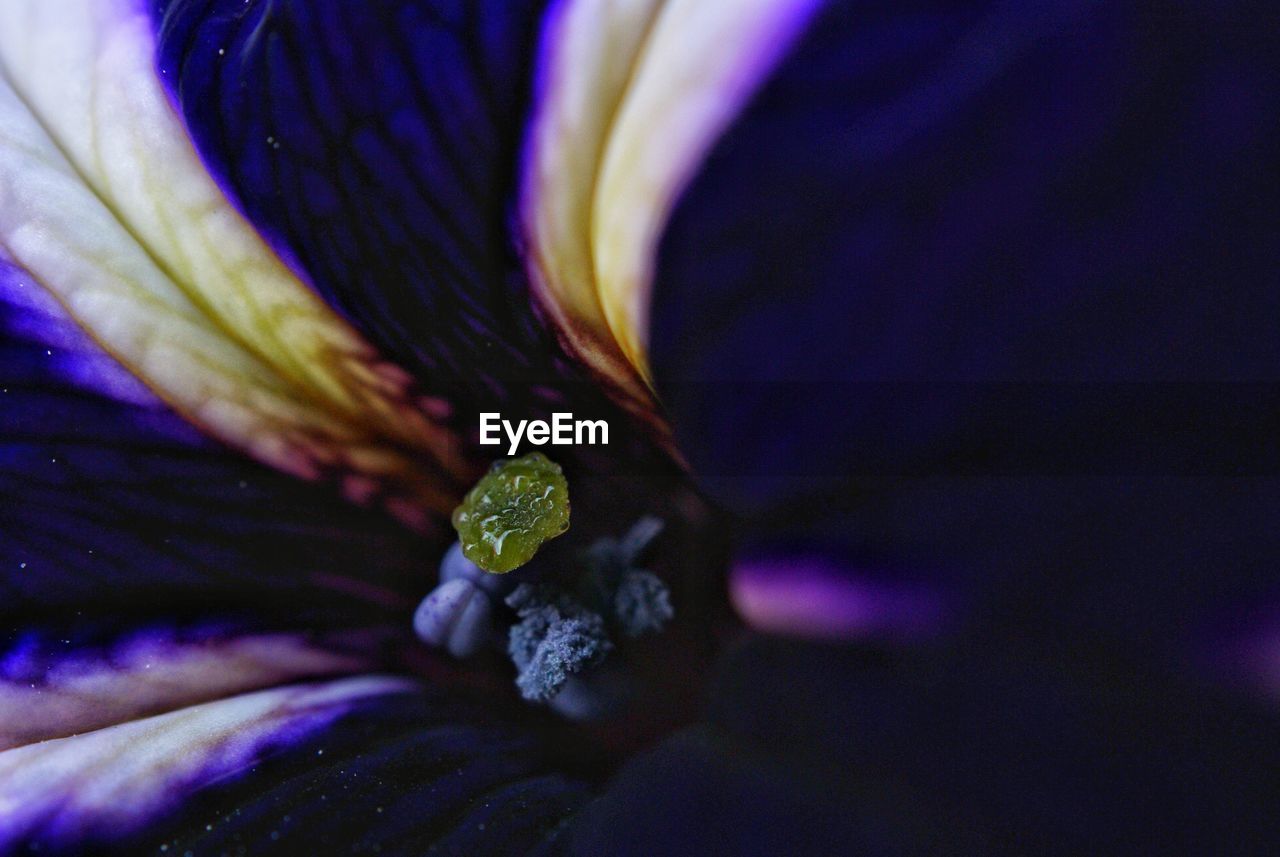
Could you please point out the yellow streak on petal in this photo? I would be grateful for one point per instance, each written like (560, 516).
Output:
(700, 64)
(592, 46)
(105, 202)
(633, 96)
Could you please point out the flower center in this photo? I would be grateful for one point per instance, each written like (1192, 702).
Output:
(567, 620)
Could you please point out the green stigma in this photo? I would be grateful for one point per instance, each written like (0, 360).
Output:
(515, 507)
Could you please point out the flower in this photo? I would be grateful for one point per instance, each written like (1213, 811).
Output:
(940, 331)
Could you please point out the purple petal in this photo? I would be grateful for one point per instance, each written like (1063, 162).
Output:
(399, 773)
(983, 298)
(111, 502)
(377, 149)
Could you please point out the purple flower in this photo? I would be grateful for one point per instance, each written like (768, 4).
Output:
(940, 339)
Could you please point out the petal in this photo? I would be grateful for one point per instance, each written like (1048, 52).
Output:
(106, 783)
(163, 737)
(930, 197)
(378, 151)
(122, 730)
(376, 148)
(400, 773)
(631, 96)
(111, 504)
(107, 206)
(965, 300)
(980, 751)
(81, 683)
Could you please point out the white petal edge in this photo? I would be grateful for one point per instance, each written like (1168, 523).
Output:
(112, 781)
(147, 673)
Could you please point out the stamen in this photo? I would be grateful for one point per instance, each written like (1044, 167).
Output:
(555, 638)
(565, 627)
(456, 616)
(642, 604)
(564, 631)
